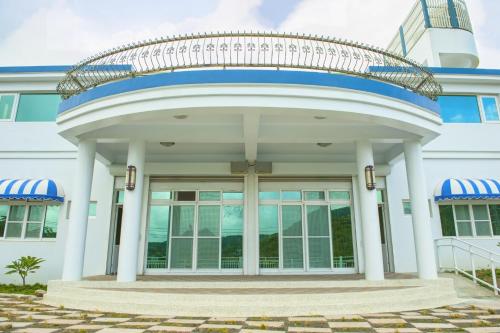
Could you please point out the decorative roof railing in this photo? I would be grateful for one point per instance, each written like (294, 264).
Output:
(250, 50)
(447, 14)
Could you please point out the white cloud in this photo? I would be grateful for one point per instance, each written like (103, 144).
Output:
(58, 35)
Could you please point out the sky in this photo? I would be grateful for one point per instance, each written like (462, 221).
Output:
(63, 32)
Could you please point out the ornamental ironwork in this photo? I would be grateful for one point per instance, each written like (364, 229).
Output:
(250, 50)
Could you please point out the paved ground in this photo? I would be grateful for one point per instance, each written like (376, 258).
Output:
(29, 316)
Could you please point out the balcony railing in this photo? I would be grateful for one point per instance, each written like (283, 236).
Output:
(248, 50)
(447, 14)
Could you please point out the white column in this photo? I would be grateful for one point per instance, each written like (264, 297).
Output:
(132, 208)
(422, 233)
(251, 230)
(372, 246)
(77, 227)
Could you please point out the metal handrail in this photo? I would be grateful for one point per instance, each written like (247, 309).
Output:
(493, 259)
(248, 49)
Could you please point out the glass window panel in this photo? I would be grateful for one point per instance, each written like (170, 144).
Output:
(340, 195)
(159, 219)
(269, 195)
(38, 107)
(291, 219)
(16, 213)
(232, 237)
(490, 108)
(6, 105)
(210, 196)
(269, 236)
(459, 109)
(293, 253)
(447, 222)
(93, 209)
(314, 195)
(33, 230)
(495, 219)
(14, 230)
(208, 220)
(51, 221)
(182, 253)
(3, 219)
(120, 198)
(36, 213)
(407, 207)
(182, 220)
(185, 196)
(480, 212)
(342, 242)
(291, 195)
(462, 212)
(464, 228)
(380, 197)
(161, 195)
(319, 252)
(232, 196)
(208, 253)
(483, 228)
(317, 221)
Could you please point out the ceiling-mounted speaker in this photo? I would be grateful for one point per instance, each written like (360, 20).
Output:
(264, 168)
(239, 168)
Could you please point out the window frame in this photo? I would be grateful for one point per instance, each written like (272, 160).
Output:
(25, 222)
(482, 111)
(15, 104)
(469, 205)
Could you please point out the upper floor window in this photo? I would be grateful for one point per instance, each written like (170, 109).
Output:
(490, 108)
(6, 106)
(459, 109)
(469, 109)
(37, 107)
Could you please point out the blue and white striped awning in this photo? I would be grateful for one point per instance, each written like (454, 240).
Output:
(31, 189)
(462, 188)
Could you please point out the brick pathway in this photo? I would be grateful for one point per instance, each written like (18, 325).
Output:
(27, 315)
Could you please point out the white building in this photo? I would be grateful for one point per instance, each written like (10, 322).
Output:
(252, 155)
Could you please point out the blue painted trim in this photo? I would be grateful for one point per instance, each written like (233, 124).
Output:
(452, 11)
(249, 76)
(402, 38)
(466, 197)
(438, 70)
(425, 11)
(57, 69)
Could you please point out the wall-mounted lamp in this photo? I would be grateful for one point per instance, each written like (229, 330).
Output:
(370, 178)
(130, 178)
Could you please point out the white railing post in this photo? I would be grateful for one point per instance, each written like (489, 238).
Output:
(454, 258)
(473, 266)
(494, 277)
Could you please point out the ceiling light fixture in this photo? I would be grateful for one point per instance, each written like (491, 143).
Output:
(319, 117)
(324, 144)
(167, 144)
(180, 116)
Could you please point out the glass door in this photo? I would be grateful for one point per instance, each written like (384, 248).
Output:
(195, 230)
(305, 230)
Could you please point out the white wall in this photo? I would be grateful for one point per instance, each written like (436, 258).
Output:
(52, 251)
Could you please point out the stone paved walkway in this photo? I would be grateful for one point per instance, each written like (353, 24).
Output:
(27, 315)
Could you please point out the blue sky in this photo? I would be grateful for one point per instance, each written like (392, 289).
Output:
(65, 31)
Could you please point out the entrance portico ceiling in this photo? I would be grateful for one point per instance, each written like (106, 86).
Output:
(253, 114)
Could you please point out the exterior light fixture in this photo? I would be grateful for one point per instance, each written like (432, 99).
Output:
(324, 144)
(167, 144)
(180, 116)
(370, 178)
(319, 117)
(130, 178)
